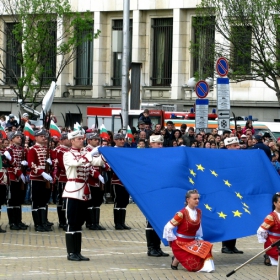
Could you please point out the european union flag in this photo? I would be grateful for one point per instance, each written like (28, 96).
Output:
(236, 186)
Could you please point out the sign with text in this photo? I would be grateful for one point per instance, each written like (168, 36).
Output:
(223, 94)
(201, 114)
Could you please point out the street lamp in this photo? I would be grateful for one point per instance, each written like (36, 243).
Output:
(209, 81)
(191, 83)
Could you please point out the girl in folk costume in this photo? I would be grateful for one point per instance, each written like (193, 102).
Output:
(188, 247)
(269, 231)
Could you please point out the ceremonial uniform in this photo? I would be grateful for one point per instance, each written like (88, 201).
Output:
(3, 184)
(40, 182)
(121, 195)
(16, 155)
(61, 178)
(187, 246)
(96, 188)
(77, 192)
(268, 233)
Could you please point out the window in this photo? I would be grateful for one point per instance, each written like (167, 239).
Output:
(13, 52)
(203, 46)
(241, 49)
(162, 51)
(84, 66)
(47, 55)
(117, 63)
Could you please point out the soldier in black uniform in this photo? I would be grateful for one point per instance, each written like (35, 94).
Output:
(153, 240)
(121, 195)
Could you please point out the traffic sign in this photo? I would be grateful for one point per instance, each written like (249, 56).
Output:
(201, 89)
(223, 94)
(201, 114)
(223, 114)
(223, 124)
(222, 67)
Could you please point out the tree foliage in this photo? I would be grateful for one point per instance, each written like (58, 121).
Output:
(247, 33)
(39, 38)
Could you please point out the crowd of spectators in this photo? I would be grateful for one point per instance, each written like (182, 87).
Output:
(173, 137)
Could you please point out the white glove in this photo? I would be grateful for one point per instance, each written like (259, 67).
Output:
(95, 151)
(24, 162)
(101, 179)
(49, 161)
(7, 155)
(47, 176)
(22, 177)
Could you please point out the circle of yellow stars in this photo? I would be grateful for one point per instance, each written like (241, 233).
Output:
(221, 214)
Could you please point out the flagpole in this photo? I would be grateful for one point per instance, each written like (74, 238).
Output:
(277, 243)
(125, 64)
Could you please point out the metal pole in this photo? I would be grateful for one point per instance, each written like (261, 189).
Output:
(125, 63)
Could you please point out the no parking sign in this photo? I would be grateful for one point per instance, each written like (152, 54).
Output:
(222, 67)
(201, 89)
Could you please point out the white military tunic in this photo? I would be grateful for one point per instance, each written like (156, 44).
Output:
(77, 166)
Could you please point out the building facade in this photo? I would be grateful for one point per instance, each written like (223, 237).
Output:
(161, 31)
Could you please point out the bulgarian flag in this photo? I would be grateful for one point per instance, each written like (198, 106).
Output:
(2, 131)
(103, 132)
(129, 135)
(54, 130)
(28, 131)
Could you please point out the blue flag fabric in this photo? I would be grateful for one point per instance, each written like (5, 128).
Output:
(235, 186)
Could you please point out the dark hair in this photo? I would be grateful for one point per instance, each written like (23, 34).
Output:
(142, 140)
(275, 199)
(213, 142)
(194, 142)
(206, 143)
(249, 122)
(183, 125)
(180, 133)
(169, 122)
(191, 128)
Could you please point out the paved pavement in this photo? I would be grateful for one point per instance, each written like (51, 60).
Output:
(113, 254)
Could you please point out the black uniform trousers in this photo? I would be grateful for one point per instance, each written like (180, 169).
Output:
(96, 196)
(121, 196)
(59, 199)
(75, 214)
(40, 195)
(3, 196)
(15, 198)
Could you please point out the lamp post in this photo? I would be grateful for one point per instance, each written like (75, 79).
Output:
(191, 84)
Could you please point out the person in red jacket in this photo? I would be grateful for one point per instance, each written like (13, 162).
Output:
(60, 176)
(16, 155)
(96, 183)
(40, 181)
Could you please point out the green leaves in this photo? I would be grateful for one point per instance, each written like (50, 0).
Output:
(44, 30)
(247, 33)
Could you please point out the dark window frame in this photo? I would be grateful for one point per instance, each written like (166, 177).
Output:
(49, 58)
(84, 61)
(204, 46)
(13, 69)
(162, 52)
(117, 63)
(241, 49)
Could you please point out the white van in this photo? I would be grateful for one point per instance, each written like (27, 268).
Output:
(274, 128)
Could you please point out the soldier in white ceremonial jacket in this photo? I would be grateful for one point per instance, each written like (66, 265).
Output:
(77, 166)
